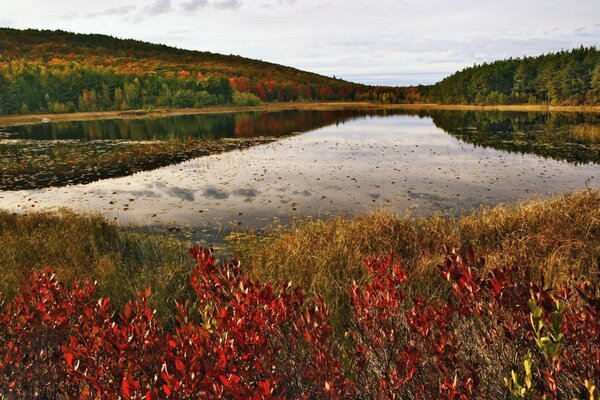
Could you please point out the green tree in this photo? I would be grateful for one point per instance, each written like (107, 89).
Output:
(595, 85)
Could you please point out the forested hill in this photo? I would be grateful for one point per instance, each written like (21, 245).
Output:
(563, 78)
(127, 55)
(57, 71)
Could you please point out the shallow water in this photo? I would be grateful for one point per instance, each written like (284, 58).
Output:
(449, 162)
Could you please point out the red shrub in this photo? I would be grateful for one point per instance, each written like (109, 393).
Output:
(33, 327)
(240, 338)
(404, 351)
(255, 340)
(558, 332)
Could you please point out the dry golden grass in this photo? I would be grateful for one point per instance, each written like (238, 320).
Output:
(559, 238)
(586, 134)
(86, 247)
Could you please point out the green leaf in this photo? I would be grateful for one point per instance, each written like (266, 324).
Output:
(527, 366)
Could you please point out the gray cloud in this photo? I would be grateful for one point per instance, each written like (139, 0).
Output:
(214, 193)
(194, 5)
(158, 8)
(123, 10)
(227, 4)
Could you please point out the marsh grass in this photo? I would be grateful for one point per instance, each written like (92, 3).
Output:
(558, 239)
(585, 133)
(86, 247)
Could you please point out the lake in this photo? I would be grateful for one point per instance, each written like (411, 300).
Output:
(205, 176)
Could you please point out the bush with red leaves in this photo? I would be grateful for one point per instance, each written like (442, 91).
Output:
(499, 335)
(241, 339)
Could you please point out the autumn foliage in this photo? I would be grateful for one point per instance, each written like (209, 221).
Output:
(497, 335)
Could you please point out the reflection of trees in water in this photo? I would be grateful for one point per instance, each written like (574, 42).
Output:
(571, 137)
(215, 126)
(126, 149)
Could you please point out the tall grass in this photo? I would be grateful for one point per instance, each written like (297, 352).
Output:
(558, 238)
(86, 247)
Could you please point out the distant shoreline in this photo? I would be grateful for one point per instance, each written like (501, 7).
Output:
(155, 113)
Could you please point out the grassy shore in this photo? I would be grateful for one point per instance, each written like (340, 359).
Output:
(167, 112)
(86, 247)
(557, 238)
(154, 113)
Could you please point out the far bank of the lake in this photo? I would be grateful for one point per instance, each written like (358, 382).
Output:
(29, 119)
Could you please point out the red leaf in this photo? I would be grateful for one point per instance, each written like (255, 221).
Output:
(265, 387)
(224, 380)
(152, 395)
(167, 390)
(222, 360)
(180, 367)
(496, 286)
(69, 359)
(234, 379)
(125, 388)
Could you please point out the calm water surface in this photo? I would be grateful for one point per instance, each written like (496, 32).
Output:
(323, 164)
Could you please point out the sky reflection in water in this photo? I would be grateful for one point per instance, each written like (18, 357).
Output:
(397, 162)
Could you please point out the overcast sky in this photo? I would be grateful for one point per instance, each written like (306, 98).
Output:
(394, 42)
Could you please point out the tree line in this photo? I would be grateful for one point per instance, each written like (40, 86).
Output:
(569, 78)
(68, 87)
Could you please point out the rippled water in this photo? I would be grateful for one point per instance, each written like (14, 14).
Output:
(344, 163)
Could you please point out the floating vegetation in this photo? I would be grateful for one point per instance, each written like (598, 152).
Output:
(79, 152)
(35, 164)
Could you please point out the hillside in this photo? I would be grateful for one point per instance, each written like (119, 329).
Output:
(60, 72)
(570, 78)
(127, 56)
(57, 72)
